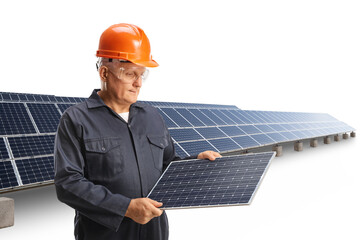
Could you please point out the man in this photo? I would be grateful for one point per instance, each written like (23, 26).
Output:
(110, 150)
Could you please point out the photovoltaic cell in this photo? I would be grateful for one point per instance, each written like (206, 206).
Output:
(176, 117)
(196, 147)
(213, 117)
(190, 117)
(210, 132)
(14, 119)
(245, 141)
(32, 145)
(224, 144)
(7, 175)
(226, 181)
(64, 106)
(263, 139)
(36, 170)
(46, 116)
(3, 151)
(186, 134)
(202, 117)
(232, 131)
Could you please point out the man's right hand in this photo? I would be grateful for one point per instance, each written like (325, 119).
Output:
(142, 210)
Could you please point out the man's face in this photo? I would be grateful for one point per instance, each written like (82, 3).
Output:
(124, 81)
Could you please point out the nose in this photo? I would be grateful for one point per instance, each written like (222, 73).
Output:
(138, 82)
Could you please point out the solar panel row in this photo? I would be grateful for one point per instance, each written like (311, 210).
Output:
(25, 97)
(28, 123)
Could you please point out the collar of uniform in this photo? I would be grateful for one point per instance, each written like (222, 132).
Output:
(95, 101)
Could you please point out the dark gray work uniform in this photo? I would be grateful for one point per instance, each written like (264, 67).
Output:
(102, 162)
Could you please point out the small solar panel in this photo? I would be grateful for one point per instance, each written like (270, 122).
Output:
(7, 175)
(227, 181)
(34, 170)
(14, 119)
(46, 116)
(32, 145)
(3, 150)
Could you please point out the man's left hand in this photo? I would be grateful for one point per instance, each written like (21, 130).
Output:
(211, 155)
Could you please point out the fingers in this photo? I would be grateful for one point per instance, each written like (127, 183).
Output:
(155, 209)
(211, 155)
(155, 203)
(142, 210)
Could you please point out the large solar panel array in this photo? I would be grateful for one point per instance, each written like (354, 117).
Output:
(227, 128)
(227, 181)
(28, 123)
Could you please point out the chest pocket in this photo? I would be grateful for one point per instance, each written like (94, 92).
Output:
(157, 145)
(103, 158)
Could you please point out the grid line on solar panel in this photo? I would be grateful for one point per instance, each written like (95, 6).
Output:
(190, 117)
(14, 119)
(31, 145)
(46, 116)
(201, 183)
(3, 150)
(64, 106)
(34, 170)
(176, 117)
(7, 175)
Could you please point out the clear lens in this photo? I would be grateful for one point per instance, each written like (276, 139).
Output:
(132, 74)
(128, 72)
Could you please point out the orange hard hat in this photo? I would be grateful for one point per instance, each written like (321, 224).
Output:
(128, 42)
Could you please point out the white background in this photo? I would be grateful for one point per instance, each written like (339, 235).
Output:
(262, 55)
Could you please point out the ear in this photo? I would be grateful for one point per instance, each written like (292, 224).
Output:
(103, 73)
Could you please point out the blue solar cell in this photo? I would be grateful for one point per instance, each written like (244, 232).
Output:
(232, 131)
(277, 127)
(64, 106)
(169, 123)
(199, 183)
(202, 117)
(7, 175)
(254, 117)
(190, 117)
(180, 152)
(46, 116)
(3, 150)
(14, 97)
(224, 144)
(278, 137)
(288, 127)
(186, 134)
(14, 119)
(31, 145)
(241, 115)
(249, 129)
(223, 117)
(176, 117)
(263, 139)
(36, 170)
(230, 114)
(213, 117)
(196, 147)
(290, 136)
(265, 128)
(246, 142)
(299, 134)
(210, 132)
(6, 97)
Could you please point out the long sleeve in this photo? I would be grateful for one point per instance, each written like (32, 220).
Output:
(94, 201)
